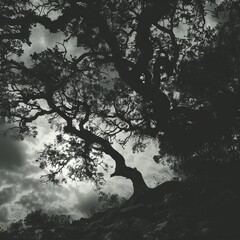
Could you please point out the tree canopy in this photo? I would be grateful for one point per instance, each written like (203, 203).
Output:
(162, 70)
(37, 225)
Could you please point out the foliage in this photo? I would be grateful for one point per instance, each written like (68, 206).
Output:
(137, 78)
(37, 225)
(107, 201)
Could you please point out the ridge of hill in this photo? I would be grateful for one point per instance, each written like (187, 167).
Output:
(172, 211)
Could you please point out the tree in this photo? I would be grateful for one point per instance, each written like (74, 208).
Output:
(179, 90)
(37, 225)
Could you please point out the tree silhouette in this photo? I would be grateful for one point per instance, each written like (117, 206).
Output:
(37, 225)
(137, 78)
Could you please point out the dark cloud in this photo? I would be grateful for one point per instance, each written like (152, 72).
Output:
(7, 194)
(46, 199)
(19, 179)
(9, 177)
(29, 183)
(50, 204)
(12, 154)
(3, 214)
(30, 201)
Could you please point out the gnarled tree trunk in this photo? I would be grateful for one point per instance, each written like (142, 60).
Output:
(121, 169)
(139, 185)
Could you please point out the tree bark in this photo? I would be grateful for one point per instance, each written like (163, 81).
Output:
(139, 185)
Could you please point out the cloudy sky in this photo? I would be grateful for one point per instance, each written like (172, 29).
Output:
(21, 190)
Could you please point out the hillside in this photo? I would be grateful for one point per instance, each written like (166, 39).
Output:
(188, 210)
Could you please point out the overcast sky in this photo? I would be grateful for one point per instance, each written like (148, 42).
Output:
(21, 190)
